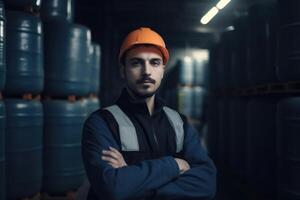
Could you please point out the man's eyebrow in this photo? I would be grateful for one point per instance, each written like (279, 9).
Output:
(155, 59)
(141, 59)
(136, 58)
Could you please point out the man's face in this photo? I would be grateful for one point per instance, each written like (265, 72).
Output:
(143, 70)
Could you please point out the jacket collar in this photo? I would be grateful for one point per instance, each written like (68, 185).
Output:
(130, 104)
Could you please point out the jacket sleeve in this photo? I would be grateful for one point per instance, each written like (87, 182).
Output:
(197, 183)
(122, 183)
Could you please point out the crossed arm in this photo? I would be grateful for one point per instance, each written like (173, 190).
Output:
(166, 177)
(116, 160)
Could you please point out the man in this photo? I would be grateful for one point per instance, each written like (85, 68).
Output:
(138, 148)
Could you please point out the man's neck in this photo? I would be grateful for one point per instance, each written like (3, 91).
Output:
(149, 101)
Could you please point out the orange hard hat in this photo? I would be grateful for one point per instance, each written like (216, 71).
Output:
(144, 35)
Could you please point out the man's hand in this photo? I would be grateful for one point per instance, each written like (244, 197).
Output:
(183, 165)
(113, 157)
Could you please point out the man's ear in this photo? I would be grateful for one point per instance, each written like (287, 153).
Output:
(122, 71)
(164, 68)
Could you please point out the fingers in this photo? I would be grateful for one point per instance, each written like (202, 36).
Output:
(183, 165)
(110, 159)
(113, 162)
(116, 151)
(111, 154)
(113, 157)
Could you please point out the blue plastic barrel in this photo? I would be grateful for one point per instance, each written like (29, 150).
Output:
(239, 61)
(185, 71)
(95, 69)
(2, 150)
(218, 68)
(171, 98)
(67, 59)
(92, 104)
(184, 96)
(213, 68)
(262, 44)
(261, 146)
(201, 73)
(25, 72)
(289, 48)
(198, 102)
(229, 37)
(224, 133)
(213, 127)
(2, 46)
(224, 61)
(238, 138)
(24, 133)
(23, 3)
(289, 43)
(288, 124)
(63, 167)
(57, 9)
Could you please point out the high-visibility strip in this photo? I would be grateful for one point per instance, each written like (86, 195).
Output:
(177, 124)
(128, 136)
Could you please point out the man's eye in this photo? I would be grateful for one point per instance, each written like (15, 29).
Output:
(155, 62)
(135, 63)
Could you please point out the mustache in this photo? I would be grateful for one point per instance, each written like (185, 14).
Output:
(150, 80)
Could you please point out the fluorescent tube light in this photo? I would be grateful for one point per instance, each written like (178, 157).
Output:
(209, 15)
(222, 4)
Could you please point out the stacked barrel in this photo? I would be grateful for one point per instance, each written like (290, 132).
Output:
(24, 135)
(262, 45)
(72, 71)
(92, 101)
(261, 146)
(242, 109)
(63, 169)
(24, 81)
(288, 148)
(288, 108)
(49, 81)
(185, 89)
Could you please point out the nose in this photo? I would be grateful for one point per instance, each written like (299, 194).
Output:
(147, 68)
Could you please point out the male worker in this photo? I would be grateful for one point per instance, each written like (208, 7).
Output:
(138, 148)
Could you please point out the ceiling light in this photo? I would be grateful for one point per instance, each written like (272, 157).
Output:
(38, 3)
(209, 15)
(222, 4)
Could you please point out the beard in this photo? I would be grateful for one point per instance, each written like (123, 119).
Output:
(140, 95)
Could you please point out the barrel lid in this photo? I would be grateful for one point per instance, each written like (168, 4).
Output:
(2, 10)
(14, 105)
(97, 49)
(23, 21)
(23, 3)
(93, 100)
(68, 29)
(57, 9)
(51, 107)
(262, 10)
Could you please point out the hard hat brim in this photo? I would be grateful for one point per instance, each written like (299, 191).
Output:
(163, 50)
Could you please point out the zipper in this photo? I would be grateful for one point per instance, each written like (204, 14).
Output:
(155, 138)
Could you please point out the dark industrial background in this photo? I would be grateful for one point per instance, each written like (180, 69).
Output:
(236, 78)
(177, 21)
